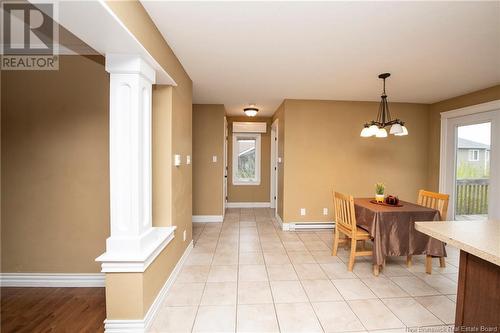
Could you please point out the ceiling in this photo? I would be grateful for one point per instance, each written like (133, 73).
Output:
(238, 53)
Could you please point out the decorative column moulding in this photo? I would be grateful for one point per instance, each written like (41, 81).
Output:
(134, 242)
(129, 64)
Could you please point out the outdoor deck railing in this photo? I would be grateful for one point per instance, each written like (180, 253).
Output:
(472, 196)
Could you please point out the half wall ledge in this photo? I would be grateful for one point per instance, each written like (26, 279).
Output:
(114, 262)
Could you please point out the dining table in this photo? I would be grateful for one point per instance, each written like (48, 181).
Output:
(393, 229)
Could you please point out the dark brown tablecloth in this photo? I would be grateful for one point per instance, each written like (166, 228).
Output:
(393, 229)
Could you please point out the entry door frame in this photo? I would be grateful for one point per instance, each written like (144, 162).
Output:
(450, 120)
(224, 171)
(274, 166)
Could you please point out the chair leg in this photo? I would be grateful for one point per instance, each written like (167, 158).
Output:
(442, 263)
(376, 270)
(428, 264)
(335, 242)
(353, 254)
(408, 260)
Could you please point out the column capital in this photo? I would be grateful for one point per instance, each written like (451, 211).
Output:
(129, 64)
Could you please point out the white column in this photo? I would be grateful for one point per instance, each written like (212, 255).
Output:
(132, 239)
(131, 82)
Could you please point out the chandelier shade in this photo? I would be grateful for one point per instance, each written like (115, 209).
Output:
(381, 133)
(404, 131)
(396, 129)
(366, 132)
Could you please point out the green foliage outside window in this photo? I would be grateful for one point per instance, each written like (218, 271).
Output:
(468, 171)
(246, 165)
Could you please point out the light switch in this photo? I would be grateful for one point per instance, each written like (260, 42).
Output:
(188, 159)
(214, 158)
(177, 160)
(279, 159)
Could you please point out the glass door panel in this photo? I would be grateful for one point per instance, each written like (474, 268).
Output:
(472, 171)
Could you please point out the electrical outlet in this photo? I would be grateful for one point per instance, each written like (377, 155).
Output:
(184, 235)
(302, 212)
(214, 159)
(325, 211)
(188, 159)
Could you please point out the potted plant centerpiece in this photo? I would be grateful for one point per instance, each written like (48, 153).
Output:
(379, 192)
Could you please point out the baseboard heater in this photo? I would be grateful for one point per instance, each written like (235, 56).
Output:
(314, 225)
(293, 226)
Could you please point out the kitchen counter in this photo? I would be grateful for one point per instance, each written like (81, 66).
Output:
(478, 295)
(480, 238)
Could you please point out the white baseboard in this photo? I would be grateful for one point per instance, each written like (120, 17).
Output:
(52, 280)
(308, 225)
(278, 218)
(208, 218)
(143, 325)
(279, 221)
(248, 205)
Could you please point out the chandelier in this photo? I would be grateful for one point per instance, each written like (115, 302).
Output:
(377, 127)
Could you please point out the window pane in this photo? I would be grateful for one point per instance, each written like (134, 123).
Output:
(246, 159)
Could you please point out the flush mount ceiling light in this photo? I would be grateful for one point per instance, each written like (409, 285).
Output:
(377, 127)
(251, 111)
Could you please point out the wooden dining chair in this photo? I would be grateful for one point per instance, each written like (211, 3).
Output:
(438, 201)
(345, 223)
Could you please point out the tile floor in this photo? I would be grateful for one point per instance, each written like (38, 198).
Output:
(247, 275)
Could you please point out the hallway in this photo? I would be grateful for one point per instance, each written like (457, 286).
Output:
(247, 275)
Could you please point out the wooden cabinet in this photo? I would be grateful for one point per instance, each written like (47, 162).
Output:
(478, 296)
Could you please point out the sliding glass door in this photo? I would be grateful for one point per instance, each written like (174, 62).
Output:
(470, 165)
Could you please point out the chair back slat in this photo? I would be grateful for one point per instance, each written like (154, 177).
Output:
(345, 215)
(438, 201)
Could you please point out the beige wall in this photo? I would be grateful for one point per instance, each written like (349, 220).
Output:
(279, 115)
(250, 193)
(324, 151)
(124, 296)
(162, 155)
(477, 97)
(135, 18)
(55, 183)
(208, 141)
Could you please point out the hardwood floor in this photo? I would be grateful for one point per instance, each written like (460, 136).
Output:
(52, 310)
